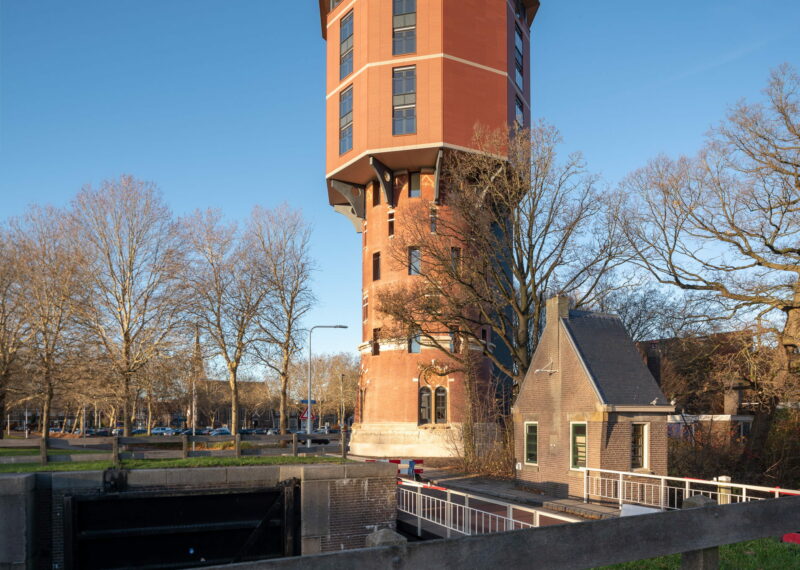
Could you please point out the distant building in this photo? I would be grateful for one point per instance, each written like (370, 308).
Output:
(407, 82)
(587, 400)
(708, 409)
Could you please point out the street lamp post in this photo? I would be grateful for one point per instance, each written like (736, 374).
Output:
(309, 421)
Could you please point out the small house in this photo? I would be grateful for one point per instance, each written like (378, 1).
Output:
(587, 401)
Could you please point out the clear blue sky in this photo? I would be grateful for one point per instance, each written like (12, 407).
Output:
(221, 102)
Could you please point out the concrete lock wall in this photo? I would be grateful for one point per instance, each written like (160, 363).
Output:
(16, 521)
(340, 504)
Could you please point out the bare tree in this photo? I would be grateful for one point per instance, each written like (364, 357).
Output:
(508, 233)
(282, 248)
(51, 283)
(724, 224)
(134, 259)
(227, 291)
(13, 328)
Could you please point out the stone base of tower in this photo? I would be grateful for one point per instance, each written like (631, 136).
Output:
(405, 440)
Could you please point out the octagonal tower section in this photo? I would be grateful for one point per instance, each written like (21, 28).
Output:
(406, 81)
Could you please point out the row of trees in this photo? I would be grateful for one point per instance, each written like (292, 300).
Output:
(689, 245)
(116, 290)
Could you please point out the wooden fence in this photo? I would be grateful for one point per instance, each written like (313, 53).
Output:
(141, 447)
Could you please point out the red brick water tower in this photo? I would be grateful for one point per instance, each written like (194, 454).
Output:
(407, 80)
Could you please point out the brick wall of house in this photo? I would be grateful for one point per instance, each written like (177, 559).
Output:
(554, 400)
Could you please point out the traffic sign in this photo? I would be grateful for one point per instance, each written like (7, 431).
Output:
(304, 415)
(306, 401)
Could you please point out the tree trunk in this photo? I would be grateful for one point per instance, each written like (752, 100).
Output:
(48, 398)
(149, 416)
(126, 404)
(234, 427)
(284, 399)
(112, 421)
(2, 403)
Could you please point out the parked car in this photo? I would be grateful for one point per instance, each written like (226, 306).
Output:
(160, 430)
(220, 431)
(139, 431)
(246, 431)
(318, 440)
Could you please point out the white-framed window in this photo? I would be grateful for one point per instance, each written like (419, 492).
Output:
(519, 59)
(519, 113)
(578, 448)
(640, 452)
(531, 443)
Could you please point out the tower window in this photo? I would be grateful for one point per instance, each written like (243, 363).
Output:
(414, 261)
(391, 223)
(455, 342)
(404, 27)
(415, 343)
(455, 260)
(376, 342)
(376, 195)
(346, 120)
(404, 101)
(365, 308)
(519, 58)
(434, 219)
(346, 46)
(519, 113)
(335, 3)
(440, 405)
(376, 266)
(414, 187)
(424, 405)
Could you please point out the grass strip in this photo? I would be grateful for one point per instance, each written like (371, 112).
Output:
(167, 463)
(762, 554)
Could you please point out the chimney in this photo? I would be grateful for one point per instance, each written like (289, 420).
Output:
(556, 308)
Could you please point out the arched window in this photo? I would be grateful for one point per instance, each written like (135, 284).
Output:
(441, 405)
(424, 405)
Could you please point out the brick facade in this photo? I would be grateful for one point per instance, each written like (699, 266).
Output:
(558, 392)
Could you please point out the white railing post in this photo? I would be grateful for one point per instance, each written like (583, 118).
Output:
(467, 516)
(536, 519)
(687, 490)
(510, 515)
(585, 485)
(620, 490)
(744, 495)
(448, 515)
(777, 493)
(419, 511)
(661, 498)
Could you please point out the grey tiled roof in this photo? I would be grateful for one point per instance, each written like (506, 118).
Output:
(612, 360)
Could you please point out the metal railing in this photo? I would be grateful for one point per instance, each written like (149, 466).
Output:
(462, 518)
(668, 493)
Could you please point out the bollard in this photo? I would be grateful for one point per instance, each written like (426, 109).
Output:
(43, 450)
(185, 446)
(237, 444)
(294, 444)
(343, 441)
(707, 558)
(724, 491)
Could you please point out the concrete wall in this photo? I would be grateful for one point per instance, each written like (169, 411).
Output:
(16, 521)
(340, 504)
